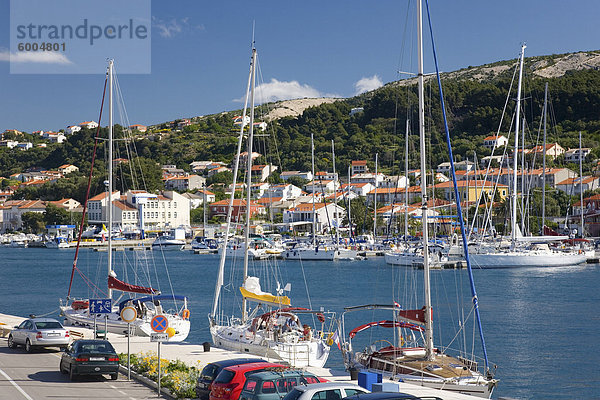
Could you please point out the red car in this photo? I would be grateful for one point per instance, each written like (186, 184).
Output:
(230, 381)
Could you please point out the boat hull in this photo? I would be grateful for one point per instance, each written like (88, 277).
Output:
(298, 353)
(322, 254)
(519, 260)
(113, 323)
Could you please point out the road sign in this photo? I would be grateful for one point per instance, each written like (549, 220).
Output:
(159, 337)
(128, 314)
(100, 306)
(159, 323)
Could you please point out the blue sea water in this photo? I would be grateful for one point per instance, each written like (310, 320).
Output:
(542, 325)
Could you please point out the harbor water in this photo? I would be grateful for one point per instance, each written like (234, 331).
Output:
(541, 325)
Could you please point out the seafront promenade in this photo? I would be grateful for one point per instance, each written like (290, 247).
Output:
(192, 355)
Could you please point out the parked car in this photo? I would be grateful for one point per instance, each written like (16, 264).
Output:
(210, 372)
(39, 332)
(325, 391)
(90, 357)
(230, 381)
(389, 396)
(274, 385)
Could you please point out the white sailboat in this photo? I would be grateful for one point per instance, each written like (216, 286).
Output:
(272, 328)
(78, 312)
(313, 251)
(524, 251)
(411, 356)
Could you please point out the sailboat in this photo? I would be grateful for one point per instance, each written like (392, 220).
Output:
(77, 311)
(272, 328)
(524, 251)
(411, 355)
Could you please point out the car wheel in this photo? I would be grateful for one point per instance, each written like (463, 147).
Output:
(62, 369)
(11, 342)
(114, 377)
(72, 374)
(28, 346)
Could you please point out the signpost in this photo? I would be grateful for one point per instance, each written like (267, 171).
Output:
(159, 325)
(101, 306)
(128, 314)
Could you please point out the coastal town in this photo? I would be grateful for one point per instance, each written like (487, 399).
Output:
(282, 206)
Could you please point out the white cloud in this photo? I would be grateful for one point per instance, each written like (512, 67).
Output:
(168, 29)
(367, 84)
(172, 27)
(44, 57)
(281, 90)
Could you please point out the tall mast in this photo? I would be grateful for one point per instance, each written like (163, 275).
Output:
(349, 204)
(406, 186)
(221, 271)
(523, 189)
(312, 157)
(544, 159)
(426, 282)
(581, 184)
(110, 168)
(375, 202)
(337, 217)
(249, 181)
(516, 164)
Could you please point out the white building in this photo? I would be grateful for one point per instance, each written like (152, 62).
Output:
(285, 175)
(24, 145)
(321, 186)
(139, 208)
(11, 144)
(89, 124)
(573, 155)
(284, 191)
(497, 141)
(72, 129)
(300, 218)
(183, 183)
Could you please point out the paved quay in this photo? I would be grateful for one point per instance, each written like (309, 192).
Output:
(194, 355)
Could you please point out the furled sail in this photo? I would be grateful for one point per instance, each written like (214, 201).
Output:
(114, 283)
(252, 291)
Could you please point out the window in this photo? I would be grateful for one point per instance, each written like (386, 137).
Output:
(268, 387)
(334, 394)
(225, 376)
(175, 214)
(351, 392)
(250, 386)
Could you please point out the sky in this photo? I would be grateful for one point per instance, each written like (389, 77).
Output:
(200, 53)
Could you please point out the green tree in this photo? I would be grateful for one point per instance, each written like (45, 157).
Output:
(33, 222)
(56, 216)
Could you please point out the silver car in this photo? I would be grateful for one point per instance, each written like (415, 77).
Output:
(325, 391)
(39, 332)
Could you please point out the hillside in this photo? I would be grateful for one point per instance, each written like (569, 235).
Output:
(475, 98)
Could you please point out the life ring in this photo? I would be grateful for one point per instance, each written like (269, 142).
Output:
(185, 314)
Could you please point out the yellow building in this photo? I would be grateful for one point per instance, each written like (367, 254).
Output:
(471, 190)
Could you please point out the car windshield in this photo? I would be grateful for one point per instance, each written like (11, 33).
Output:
(209, 372)
(225, 376)
(101, 347)
(48, 325)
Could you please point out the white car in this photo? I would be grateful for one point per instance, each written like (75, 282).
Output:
(325, 391)
(39, 332)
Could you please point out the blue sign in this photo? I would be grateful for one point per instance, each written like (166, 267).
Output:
(100, 306)
(159, 323)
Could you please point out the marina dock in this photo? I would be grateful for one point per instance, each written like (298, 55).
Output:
(196, 355)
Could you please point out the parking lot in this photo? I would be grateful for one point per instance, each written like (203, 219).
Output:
(36, 376)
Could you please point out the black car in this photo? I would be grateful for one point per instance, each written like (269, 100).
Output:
(210, 372)
(388, 396)
(90, 357)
